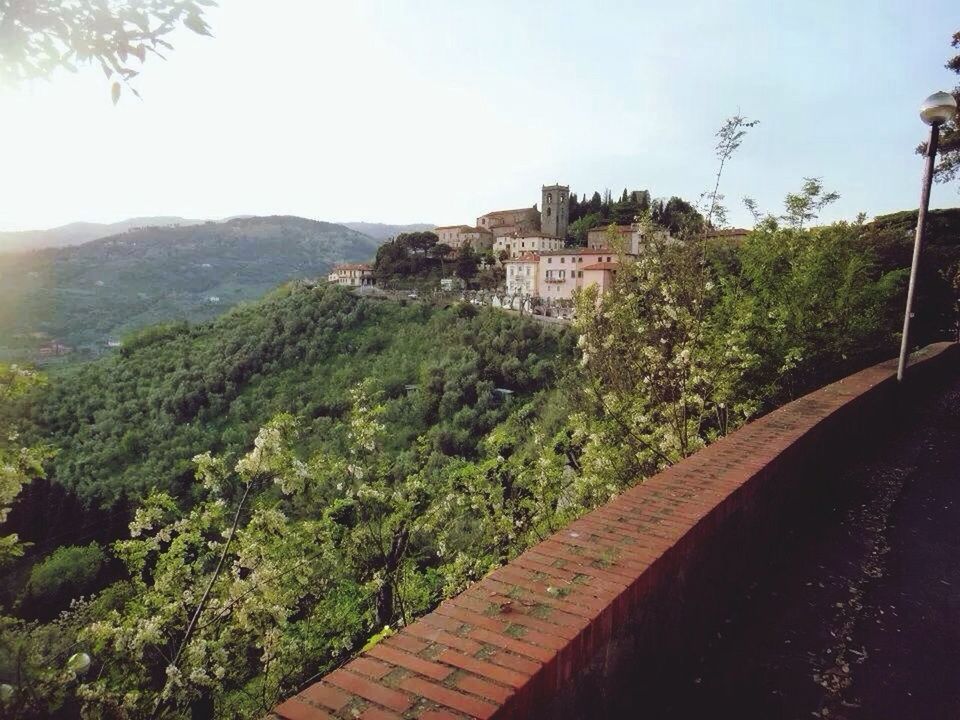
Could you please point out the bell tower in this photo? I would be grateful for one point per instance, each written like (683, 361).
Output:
(553, 210)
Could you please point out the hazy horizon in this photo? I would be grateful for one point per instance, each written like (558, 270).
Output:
(430, 112)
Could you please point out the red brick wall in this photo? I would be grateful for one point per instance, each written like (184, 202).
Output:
(552, 632)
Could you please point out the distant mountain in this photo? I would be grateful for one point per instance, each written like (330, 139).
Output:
(382, 231)
(84, 296)
(80, 232)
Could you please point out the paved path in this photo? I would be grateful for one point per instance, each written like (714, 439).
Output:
(859, 617)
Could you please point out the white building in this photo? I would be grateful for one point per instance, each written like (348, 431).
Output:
(352, 275)
(528, 242)
(522, 274)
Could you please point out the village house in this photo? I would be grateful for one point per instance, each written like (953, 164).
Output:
(600, 238)
(561, 272)
(450, 235)
(522, 273)
(352, 275)
(458, 236)
(480, 239)
(629, 238)
(515, 245)
(602, 274)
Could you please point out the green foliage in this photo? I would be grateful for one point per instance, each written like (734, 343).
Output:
(587, 214)
(132, 421)
(678, 216)
(65, 574)
(813, 305)
(803, 206)
(577, 230)
(410, 255)
(38, 37)
(937, 308)
(18, 464)
(662, 370)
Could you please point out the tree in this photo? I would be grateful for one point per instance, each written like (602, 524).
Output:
(466, 263)
(805, 205)
(18, 464)
(212, 590)
(678, 216)
(948, 167)
(40, 36)
(69, 572)
(661, 371)
(578, 229)
(729, 137)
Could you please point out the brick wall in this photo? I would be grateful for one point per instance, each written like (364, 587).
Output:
(629, 585)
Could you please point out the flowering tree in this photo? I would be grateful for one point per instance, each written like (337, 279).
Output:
(216, 594)
(661, 372)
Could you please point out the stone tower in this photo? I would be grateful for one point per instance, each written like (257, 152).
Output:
(553, 210)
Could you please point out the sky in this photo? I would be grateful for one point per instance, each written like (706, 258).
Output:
(441, 110)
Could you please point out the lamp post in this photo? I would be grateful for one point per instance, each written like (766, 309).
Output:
(935, 111)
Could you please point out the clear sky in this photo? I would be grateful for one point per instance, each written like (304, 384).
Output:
(441, 110)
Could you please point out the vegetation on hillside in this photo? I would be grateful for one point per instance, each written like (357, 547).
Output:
(86, 295)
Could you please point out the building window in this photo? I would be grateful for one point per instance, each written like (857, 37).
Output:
(549, 197)
(562, 260)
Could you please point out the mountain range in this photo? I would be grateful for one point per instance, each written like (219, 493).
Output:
(78, 233)
(79, 298)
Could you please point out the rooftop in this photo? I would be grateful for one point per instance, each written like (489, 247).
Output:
(603, 266)
(523, 257)
(511, 212)
(578, 251)
(352, 266)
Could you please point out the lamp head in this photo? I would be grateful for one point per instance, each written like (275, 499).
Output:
(938, 108)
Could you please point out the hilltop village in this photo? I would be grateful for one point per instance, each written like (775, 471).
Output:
(530, 255)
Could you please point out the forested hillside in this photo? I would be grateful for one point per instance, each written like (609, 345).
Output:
(133, 421)
(81, 297)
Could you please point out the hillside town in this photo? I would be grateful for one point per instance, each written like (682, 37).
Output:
(531, 250)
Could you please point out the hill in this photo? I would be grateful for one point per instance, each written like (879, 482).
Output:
(132, 421)
(80, 232)
(384, 231)
(84, 296)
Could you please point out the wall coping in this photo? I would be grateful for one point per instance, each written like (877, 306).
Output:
(523, 632)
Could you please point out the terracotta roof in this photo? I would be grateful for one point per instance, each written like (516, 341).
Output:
(577, 251)
(519, 235)
(524, 257)
(452, 227)
(603, 266)
(477, 229)
(510, 212)
(352, 266)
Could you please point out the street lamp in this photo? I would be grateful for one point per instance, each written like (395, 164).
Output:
(935, 111)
